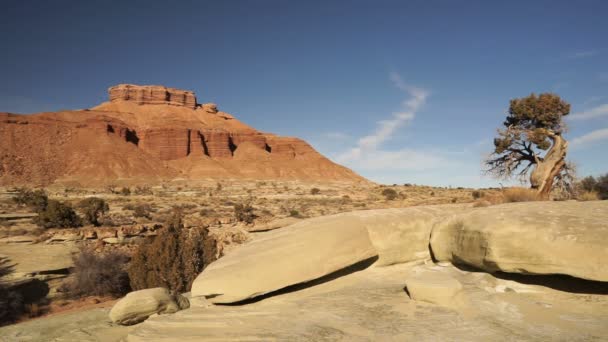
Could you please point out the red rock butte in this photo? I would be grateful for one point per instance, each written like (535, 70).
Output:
(151, 134)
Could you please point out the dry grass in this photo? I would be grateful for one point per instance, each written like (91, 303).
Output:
(517, 194)
(588, 196)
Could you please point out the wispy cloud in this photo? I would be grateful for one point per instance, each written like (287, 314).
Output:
(386, 128)
(595, 112)
(582, 54)
(594, 136)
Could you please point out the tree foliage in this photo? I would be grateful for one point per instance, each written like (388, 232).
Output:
(531, 141)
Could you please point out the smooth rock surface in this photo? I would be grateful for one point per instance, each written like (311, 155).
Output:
(293, 255)
(137, 306)
(371, 305)
(534, 237)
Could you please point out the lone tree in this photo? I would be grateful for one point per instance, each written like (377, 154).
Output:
(532, 141)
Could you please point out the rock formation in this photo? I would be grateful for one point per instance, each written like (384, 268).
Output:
(149, 134)
(152, 95)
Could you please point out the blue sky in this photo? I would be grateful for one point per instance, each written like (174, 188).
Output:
(399, 91)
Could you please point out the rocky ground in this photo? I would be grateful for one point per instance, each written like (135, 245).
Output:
(434, 272)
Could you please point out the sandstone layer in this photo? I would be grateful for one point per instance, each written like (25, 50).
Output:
(151, 134)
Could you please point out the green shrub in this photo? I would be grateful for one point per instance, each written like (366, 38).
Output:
(244, 213)
(35, 199)
(93, 208)
(389, 194)
(98, 274)
(173, 259)
(58, 215)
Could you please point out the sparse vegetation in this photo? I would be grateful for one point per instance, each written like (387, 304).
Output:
(598, 185)
(390, 194)
(98, 274)
(143, 210)
(93, 208)
(588, 196)
(58, 215)
(315, 191)
(243, 212)
(173, 258)
(34, 199)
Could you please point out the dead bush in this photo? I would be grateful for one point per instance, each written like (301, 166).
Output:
(172, 259)
(98, 274)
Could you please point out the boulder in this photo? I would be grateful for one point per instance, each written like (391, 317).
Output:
(533, 238)
(137, 306)
(296, 254)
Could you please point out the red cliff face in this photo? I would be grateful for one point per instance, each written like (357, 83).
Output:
(151, 133)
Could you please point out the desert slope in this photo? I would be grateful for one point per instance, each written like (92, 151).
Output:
(151, 134)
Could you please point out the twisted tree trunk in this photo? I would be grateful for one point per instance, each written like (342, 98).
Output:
(550, 166)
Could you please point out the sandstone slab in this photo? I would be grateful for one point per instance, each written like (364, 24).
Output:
(296, 254)
(535, 238)
(137, 306)
(434, 286)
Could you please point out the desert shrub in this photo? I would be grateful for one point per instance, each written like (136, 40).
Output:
(58, 215)
(588, 183)
(243, 212)
(125, 191)
(517, 194)
(602, 186)
(476, 194)
(294, 213)
(143, 210)
(93, 208)
(207, 212)
(390, 194)
(35, 199)
(98, 274)
(315, 191)
(454, 200)
(11, 301)
(173, 259)
(432, 193)
(142, 190)
(588, 196)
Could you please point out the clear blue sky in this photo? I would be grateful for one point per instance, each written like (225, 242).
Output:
(336, 73)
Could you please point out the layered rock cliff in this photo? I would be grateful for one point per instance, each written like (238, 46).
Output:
(151, 133)
(152, 95)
